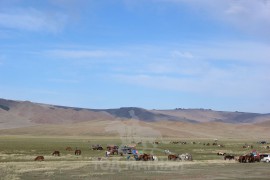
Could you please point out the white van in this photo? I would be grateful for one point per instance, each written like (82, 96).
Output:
(265, 157)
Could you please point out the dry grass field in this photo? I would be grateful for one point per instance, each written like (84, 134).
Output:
(17, 155)
(208, 130)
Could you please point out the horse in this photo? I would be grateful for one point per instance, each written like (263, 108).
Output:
(230, 157)
(112, 147)
(252, 158)
(243, 159)
(154, 158)
(56, 153)
(112, 151)
(167, 151)
(39, 158)
(78, 152)
(97, 147)
(221, 153)
(145, 157)
(172, 157)
(68, 149)
(185, 157)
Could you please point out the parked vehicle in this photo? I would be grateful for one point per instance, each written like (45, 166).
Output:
(125, 150)
(265, 157)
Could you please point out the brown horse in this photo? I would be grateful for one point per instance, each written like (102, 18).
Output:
(145, 157)
(172, 157)
(56, 153)
(114, 151)
(39, 158)
(112, 147)
(242, 159)
(68, 149)
(252, 159)
(78, 152)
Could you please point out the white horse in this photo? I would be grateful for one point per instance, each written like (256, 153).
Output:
(185, 157)
(155, 158)
(167, 151)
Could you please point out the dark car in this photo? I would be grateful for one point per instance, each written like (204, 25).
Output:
(125, 150)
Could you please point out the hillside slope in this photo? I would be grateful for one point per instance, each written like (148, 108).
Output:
(24, 117)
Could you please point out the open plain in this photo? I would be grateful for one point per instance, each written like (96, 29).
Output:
(17, 155)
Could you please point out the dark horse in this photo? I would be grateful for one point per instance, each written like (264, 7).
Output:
(97, 147)
(78, 152)
(172, 157)
(39, 158)
(230, 157)
(56, 153)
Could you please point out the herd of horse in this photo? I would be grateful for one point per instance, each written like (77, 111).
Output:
(249, 158)
(182, 157)
(57, 153)
(116, 150)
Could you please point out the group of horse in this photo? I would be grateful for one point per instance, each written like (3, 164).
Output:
(178, 142)
(226, 156)
(214, 144)
(249, 158)
(77, 152)
(145, 157)
(97, 147)
(182, 157)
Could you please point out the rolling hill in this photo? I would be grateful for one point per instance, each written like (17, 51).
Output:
(24, 117)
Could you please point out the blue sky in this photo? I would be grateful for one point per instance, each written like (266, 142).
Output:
(155, 54)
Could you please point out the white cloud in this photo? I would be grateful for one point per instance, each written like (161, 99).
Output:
(182, 54)
(31, 19)
(234, 69)
(66, 81)
(236, 9)
(78, 54)
(249, 16)
(237, 82)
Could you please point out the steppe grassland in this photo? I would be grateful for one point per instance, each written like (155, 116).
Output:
(25, 148)
(17, 159)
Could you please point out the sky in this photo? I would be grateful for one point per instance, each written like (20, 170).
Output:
(154, 54)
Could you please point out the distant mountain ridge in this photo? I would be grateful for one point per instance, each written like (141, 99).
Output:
(15, 114)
